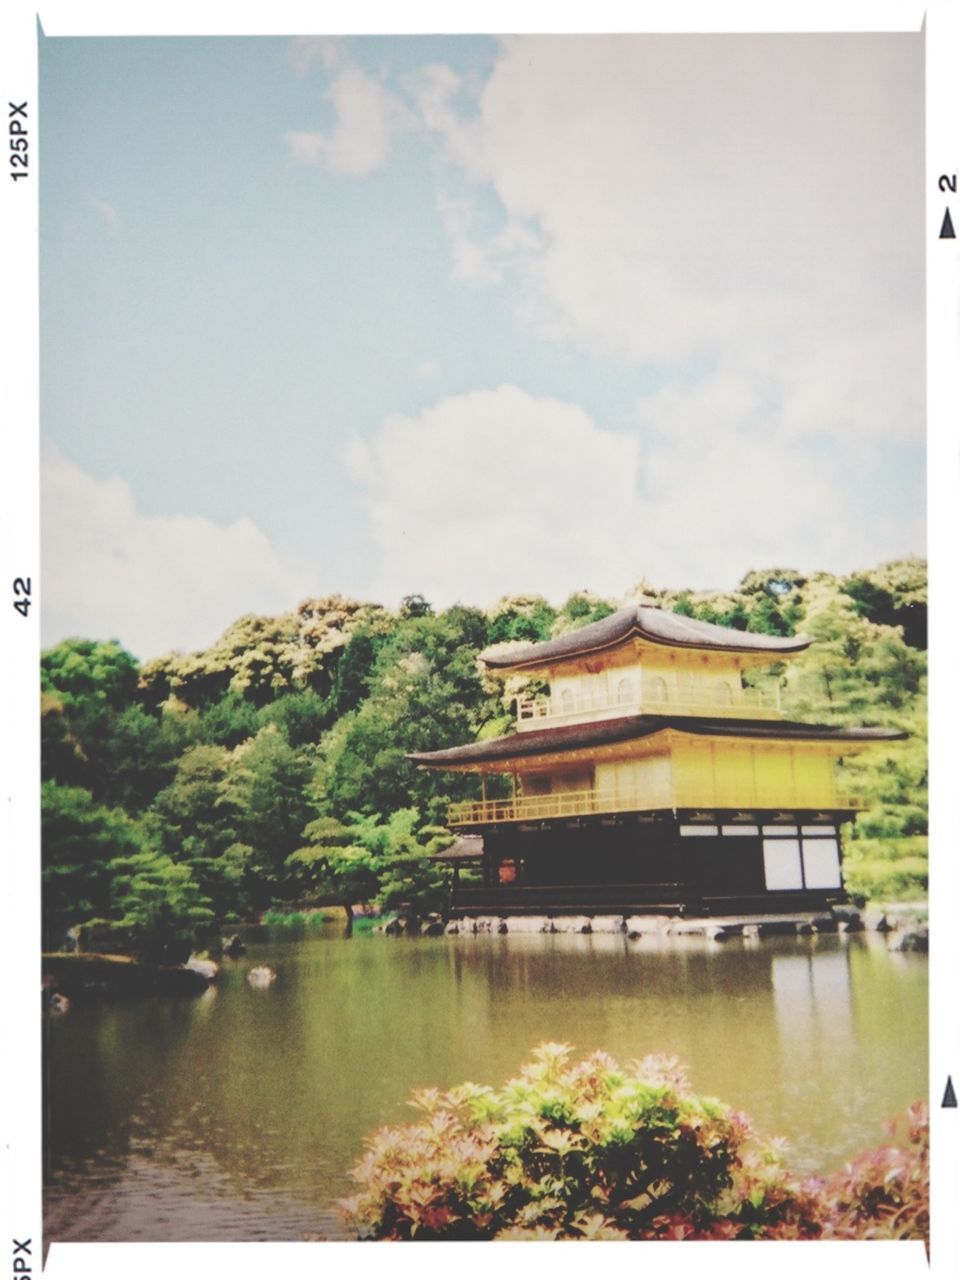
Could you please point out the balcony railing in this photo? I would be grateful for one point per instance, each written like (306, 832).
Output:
(760, 703)
(570, 804)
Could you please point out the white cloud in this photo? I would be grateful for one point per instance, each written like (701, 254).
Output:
(751, 205)
(153, 582)
(329, 51)
(107, 212)
(502, 491)
(489, 492)
(434, 90)
(366, 117)
(472, 260)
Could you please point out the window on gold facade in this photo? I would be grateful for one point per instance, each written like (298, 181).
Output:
(656, 689)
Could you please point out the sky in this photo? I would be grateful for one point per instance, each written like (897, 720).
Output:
(466, 316)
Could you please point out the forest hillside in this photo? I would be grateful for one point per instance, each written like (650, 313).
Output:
(269, 769)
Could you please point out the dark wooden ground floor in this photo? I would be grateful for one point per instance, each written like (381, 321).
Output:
(672, 863)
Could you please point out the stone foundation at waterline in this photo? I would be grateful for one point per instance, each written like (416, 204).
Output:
(905, 927)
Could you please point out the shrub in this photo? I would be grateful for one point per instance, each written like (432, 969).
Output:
(884, 881)
(296, 924)
(590, 1151)
(884, 1192)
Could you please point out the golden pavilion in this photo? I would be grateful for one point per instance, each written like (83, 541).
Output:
(650, 777)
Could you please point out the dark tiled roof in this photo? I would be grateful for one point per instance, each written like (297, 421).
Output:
(596, 733)
(464, 849)
(657, 625)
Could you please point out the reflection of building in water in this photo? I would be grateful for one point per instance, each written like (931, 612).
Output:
(813, 1004)
(652, 775)
(775, 1029)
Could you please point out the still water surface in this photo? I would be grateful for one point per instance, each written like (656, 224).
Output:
(237, 1116)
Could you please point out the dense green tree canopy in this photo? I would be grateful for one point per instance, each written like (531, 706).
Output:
(273, 765)
(89, 673)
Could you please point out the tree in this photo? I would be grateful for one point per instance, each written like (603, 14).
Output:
(415, 606)
(400, 845)
(332, 868)
(366, 769)
(261, 657)
(230, 720)
(302, 717)
(894, 595)
(100, 871)
(355, 673)
(87, 685)
(520, 618)
(195, 821)
(80, 838)
(157, 903)
(267, 788)
(580, 609)
(90, 674)
(139, 754)
(369, 859)
(62, 757)
(425, 692)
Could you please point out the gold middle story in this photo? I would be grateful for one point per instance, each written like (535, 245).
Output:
(666, 770)
(646, 677)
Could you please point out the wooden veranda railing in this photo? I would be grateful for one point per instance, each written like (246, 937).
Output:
(567, 804)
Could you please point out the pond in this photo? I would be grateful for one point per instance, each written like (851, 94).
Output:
(237, 1115)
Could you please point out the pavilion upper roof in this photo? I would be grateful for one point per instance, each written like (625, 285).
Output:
(643, 622)
(572, 737)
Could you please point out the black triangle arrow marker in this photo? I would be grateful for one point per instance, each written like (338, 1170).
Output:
(949, 1097)
(947, 233)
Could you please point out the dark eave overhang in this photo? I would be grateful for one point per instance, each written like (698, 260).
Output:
(597, 733)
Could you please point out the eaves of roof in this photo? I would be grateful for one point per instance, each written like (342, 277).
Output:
(658, 626)
(572, 737)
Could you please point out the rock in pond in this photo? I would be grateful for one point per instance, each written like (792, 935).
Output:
(877, 922)
(911, 940)
(202, 964)
(572, 924)
(83, 975)
(849, 919)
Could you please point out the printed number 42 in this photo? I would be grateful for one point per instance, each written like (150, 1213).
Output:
(21, 588)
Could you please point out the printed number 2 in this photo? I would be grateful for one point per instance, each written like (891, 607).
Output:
(22, 587)
(948, 182)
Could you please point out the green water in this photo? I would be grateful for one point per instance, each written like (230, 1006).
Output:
(236, 1116)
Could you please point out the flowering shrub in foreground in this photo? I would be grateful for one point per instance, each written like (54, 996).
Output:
(588, 1150)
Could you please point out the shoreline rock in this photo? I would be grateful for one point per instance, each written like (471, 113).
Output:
(203, 964)
(905, 925)
(89, 976)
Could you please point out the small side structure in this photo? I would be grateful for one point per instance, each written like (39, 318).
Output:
(650, 779)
